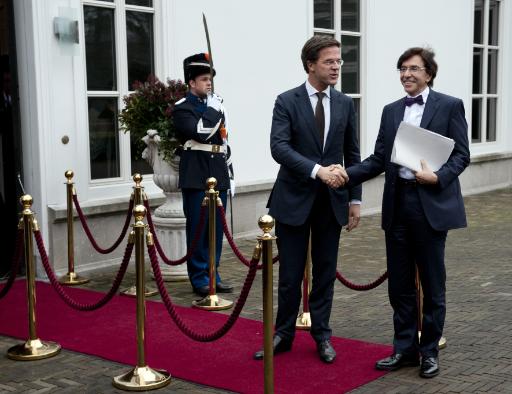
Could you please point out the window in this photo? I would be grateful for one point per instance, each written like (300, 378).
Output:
(485, 71)
(119, 49)
(341, 19)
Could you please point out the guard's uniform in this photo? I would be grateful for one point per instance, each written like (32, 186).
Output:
(205, 154)
(198, 125)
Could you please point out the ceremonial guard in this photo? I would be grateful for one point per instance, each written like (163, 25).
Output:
(200, 121)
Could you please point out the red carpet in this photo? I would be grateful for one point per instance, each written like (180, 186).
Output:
(110, 333)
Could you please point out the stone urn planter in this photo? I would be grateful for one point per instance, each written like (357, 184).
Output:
(169, 219)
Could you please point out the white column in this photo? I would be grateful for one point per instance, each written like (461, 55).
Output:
(169, 222)
(169, 219)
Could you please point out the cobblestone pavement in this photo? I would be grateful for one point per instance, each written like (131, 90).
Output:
(478, 358)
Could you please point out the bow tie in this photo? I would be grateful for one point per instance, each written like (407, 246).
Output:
(411, 100)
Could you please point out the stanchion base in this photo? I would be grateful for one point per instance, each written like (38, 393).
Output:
(33, 349)
(303, 321)
(72, 279)
(212, 303)
(442, 341)
(132, 292)
(142, 379)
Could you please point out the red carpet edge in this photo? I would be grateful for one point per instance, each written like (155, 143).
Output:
(110, 333)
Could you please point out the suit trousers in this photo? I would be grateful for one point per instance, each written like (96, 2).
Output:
(198, 263)
(411, 242)
(292, 242)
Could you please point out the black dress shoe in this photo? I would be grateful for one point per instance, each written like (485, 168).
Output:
(280, 346)
(203, 291)
(326, 351)
(397, 361)
(223, 287)
(429, 367)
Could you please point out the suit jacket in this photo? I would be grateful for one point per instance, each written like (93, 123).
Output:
(442, 203)
(295, 144)
(197, 166)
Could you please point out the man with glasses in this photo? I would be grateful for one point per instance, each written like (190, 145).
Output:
(313, 132)
(418, 209)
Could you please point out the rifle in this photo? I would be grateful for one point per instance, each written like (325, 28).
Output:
(210, 60)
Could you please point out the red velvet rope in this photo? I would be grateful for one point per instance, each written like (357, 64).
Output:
(232, 243)
(193, 246)
(368, 286)
(201, 337)
(62, 293)
(339, 276)
(88, 231)
(15, 263)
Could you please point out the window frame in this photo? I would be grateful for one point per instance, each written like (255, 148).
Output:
(337, 32)
(484, 95)
(120, 8)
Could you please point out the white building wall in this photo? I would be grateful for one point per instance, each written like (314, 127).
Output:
(34, 102)
(256, 50)
(256, 54)
(505, 86)
(394, 26)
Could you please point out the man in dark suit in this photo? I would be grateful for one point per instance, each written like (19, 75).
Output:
(313, 130)
(418, 209)
(200, 121)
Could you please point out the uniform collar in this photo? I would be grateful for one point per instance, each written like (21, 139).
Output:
(195, 99)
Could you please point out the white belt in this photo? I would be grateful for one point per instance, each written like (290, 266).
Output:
(194, 145)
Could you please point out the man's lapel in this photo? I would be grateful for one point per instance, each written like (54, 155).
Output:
(430, 109)
(304, 105)
(398, 114)
(336, 109)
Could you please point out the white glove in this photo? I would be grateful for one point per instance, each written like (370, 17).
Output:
(232, 187)
(215, 101)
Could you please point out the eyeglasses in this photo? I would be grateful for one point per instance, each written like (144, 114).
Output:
(412, 69)
(330, 63)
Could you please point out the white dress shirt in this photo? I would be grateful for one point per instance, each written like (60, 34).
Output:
(413, 115)
(326, 101)
(313, 98)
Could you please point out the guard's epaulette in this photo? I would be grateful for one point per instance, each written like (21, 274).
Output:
(180, 101)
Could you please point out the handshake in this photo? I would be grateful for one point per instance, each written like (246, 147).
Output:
(333, 176)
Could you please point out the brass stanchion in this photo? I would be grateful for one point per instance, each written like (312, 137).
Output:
(212, 302)
(142, 377)
(304, 319)
(138, 199)
(71, 278)
(419, 292)
(33, 348)
(266, 223)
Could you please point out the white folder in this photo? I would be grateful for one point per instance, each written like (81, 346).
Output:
(414, 143)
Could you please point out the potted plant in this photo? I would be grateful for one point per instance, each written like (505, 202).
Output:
(150, 107)
(147, 115)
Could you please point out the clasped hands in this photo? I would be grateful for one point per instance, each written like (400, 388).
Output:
(333, 176)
